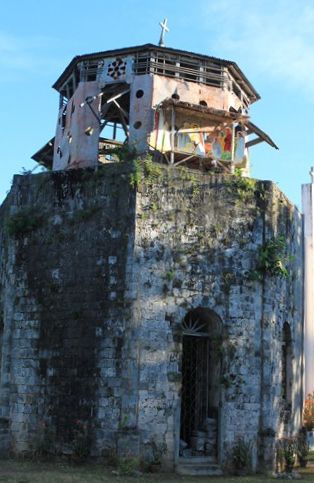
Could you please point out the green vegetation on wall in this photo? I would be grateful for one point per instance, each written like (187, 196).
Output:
(273, 259)
(24, 222)
(144, 170)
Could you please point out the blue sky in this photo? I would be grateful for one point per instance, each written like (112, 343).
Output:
(272, 42)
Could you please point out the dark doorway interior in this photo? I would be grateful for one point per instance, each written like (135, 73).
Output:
(195, 384)
(200, 392)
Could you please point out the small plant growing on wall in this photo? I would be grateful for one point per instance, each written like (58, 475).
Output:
(241, 456)
(137, 175)
(159, 449)
(123, 153)
(24, 222)
(272, 259)
(243, 187)
(146, 170)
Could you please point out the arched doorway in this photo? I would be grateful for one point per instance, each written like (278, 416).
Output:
(200, 394)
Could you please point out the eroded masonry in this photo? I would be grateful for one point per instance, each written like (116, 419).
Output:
(151, 301)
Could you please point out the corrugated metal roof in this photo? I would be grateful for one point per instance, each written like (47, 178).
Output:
(211, 111)
(223, 115)
(261, 136)
(44, 155)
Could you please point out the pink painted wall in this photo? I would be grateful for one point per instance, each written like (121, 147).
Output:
(215, 97)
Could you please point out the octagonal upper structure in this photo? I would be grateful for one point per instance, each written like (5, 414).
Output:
(120, 64)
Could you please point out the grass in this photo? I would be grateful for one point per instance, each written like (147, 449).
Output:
(13, 471)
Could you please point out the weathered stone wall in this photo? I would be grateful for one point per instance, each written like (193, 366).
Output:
(197, 244)
(64, 280)
(95, 282)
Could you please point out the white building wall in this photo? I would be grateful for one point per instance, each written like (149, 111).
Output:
(308, 211)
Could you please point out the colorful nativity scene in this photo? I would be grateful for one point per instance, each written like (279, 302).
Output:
(151, 292)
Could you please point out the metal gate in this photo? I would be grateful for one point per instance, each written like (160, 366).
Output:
(195, 385)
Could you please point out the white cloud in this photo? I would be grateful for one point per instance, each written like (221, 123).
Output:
(276, 37)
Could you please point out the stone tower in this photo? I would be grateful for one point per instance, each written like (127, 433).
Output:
(152, 309)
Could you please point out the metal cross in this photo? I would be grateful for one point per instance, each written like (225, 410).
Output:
(164, 29)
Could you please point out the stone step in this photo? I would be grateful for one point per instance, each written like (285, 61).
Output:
(192, 460)
(199, 470)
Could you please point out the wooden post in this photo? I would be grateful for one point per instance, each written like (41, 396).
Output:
(173, 120)
(232, 149)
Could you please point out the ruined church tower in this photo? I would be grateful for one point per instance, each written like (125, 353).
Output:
(137, 309)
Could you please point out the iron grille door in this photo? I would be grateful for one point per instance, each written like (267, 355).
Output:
(195, 385)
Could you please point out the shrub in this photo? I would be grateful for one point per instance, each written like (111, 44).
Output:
(241, 455)
(123, 153)
(302, 446)
(308, 412)
(81, 441)
(286, 449)
(43, 443)
(128, 466)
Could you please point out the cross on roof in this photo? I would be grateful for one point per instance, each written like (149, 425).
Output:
(164, 29)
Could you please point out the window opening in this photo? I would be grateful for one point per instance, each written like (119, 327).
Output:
(63, 117)
(137, 125)
(114, 121)
(139, 93)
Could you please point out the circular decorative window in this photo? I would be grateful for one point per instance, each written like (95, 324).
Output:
(117, 69)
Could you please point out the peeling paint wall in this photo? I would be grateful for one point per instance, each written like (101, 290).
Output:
(74, 148)
(194, 93)
(141, 113)
(77, 133)
(95, 284)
